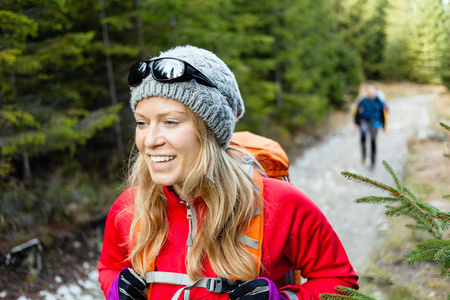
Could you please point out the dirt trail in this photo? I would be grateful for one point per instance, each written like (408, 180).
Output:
(318, 174)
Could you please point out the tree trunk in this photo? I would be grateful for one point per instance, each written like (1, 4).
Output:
(173, 28)
(109, 68)
(140, 31)
(278, 70)
(26, 167)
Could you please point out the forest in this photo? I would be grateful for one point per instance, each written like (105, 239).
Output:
(66, 129)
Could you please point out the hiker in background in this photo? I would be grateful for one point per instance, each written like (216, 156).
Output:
(196, 222)
(369, 117)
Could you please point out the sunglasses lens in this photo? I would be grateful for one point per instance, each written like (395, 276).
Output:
(137, 73)
(167, 69)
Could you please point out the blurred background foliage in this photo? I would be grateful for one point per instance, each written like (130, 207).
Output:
(65, 125)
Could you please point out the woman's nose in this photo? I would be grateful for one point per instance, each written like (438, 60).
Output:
(154, 137)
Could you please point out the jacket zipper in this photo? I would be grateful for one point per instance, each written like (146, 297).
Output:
(192, 220)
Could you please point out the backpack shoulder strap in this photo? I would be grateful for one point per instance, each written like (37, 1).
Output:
(252, 236)
(151, 264)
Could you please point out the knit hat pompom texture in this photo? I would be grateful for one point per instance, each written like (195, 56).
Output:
(219, 107)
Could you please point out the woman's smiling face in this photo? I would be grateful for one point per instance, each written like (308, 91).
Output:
(167, 139)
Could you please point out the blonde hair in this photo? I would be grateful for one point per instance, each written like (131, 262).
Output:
(230, 198)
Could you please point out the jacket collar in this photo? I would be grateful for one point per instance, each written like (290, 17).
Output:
(172, 196)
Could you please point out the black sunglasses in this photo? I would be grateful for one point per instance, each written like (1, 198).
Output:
(166, 69)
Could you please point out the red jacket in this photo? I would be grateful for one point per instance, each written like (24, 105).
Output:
(296, 233)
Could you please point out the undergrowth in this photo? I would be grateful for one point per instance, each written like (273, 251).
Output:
(52, 205)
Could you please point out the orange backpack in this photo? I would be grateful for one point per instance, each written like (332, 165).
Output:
(267, 152)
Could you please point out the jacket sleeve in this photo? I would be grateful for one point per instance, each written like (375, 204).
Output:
(114, 255)
(357, 113)
(306, 240)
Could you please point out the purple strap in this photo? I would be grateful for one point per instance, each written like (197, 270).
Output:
(273, 291)
(114, 289)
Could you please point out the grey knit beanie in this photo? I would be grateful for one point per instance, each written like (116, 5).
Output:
(219, 107)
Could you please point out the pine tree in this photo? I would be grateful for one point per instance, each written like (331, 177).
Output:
(51, 105)
(402, 201)
(396, 63)
(363, 27)
(43, 95)
(444, 47)
(424, 43)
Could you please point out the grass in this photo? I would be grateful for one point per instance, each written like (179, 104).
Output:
(405, 89)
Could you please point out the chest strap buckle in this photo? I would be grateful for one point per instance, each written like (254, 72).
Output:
(220, 285)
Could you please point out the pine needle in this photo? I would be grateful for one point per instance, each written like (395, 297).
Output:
(335, 297)
(445, 265)
(445, 220)
(376, 199)
(393, 175)
(410, 194)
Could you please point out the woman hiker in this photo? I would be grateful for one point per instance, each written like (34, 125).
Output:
(181, 229)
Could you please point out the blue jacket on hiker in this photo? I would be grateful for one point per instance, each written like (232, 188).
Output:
(371, 110)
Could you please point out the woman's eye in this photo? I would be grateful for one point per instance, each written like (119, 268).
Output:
(140, 123)
(171, 123)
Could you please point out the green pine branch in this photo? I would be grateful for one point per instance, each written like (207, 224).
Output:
(444, 267)
(445, 126)
(443, 254)
(376, 199)
(398, 210)
(424, 255)
(428, 218)
(335, 297)
(429, 244)
(422, 228)
(347, 293)
(411, 194)
(394, 177)
(369, 182)
(409, 203)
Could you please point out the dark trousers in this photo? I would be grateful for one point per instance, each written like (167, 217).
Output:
(367, 128)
